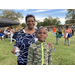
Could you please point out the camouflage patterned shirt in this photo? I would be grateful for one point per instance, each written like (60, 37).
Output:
(39, 54)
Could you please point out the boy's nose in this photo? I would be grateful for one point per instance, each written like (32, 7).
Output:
(42, 34)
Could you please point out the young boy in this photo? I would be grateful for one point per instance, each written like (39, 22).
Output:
(57, 37)
(39, 53)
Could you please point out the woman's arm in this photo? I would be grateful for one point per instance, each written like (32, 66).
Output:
(14, 50)
(17, 44)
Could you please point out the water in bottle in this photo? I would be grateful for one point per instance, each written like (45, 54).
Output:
(17, 52)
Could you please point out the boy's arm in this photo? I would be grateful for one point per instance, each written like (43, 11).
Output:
(30, 56)
(50, 57)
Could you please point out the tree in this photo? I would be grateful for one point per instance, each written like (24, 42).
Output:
(10, 14)
(70, 16)
(23, 25)
(39, 23)
(58, 23)
(49, 21)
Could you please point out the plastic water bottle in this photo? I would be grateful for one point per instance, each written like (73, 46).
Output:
(17, 52)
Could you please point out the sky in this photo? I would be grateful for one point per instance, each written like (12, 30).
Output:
(41, 14)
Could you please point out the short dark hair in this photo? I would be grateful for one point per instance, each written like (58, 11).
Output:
(67, 26)
(11, 27)
(41, 28)
(29, 16)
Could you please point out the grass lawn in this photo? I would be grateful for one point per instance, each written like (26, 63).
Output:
(64, 55)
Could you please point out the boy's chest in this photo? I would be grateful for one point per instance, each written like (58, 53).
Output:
(39, 50)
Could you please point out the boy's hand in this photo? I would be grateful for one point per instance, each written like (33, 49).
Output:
(50, 45)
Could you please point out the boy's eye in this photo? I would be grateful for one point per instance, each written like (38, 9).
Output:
(39, 33)
(44, 33)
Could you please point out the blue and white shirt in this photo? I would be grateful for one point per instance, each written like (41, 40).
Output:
(23, 41)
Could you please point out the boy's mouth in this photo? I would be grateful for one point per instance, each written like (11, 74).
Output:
(41, 37)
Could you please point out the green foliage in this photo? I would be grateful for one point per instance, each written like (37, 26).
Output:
(70, 16)
(49, 21)
(39, 23)
(10, 14)
(23, 25)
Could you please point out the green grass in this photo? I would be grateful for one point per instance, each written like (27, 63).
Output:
(64, 55)
(6, 57)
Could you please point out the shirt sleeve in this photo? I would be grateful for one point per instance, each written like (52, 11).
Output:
(30, 56)
(50, 57)
(17, 43)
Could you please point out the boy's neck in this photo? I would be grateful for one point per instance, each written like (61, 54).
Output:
(40, 41)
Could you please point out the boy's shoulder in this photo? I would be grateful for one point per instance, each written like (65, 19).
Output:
(46, 46)
(33, 45)
(37, 44)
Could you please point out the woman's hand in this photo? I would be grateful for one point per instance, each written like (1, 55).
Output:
(50, 45)
(14, 50)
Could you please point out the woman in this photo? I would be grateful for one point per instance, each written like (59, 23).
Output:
(66, 36)
(24, 39)
(11, 34)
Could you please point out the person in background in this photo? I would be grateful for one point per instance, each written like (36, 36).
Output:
(11, 34)
(50, 30)
(1, 35)
(57, 37)
(72, 31)
(15, 35)
(66, 36)
(54, 30)
(69, 30)
(6, 33)
(60, 31)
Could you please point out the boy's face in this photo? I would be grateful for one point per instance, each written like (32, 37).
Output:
(41, 35)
